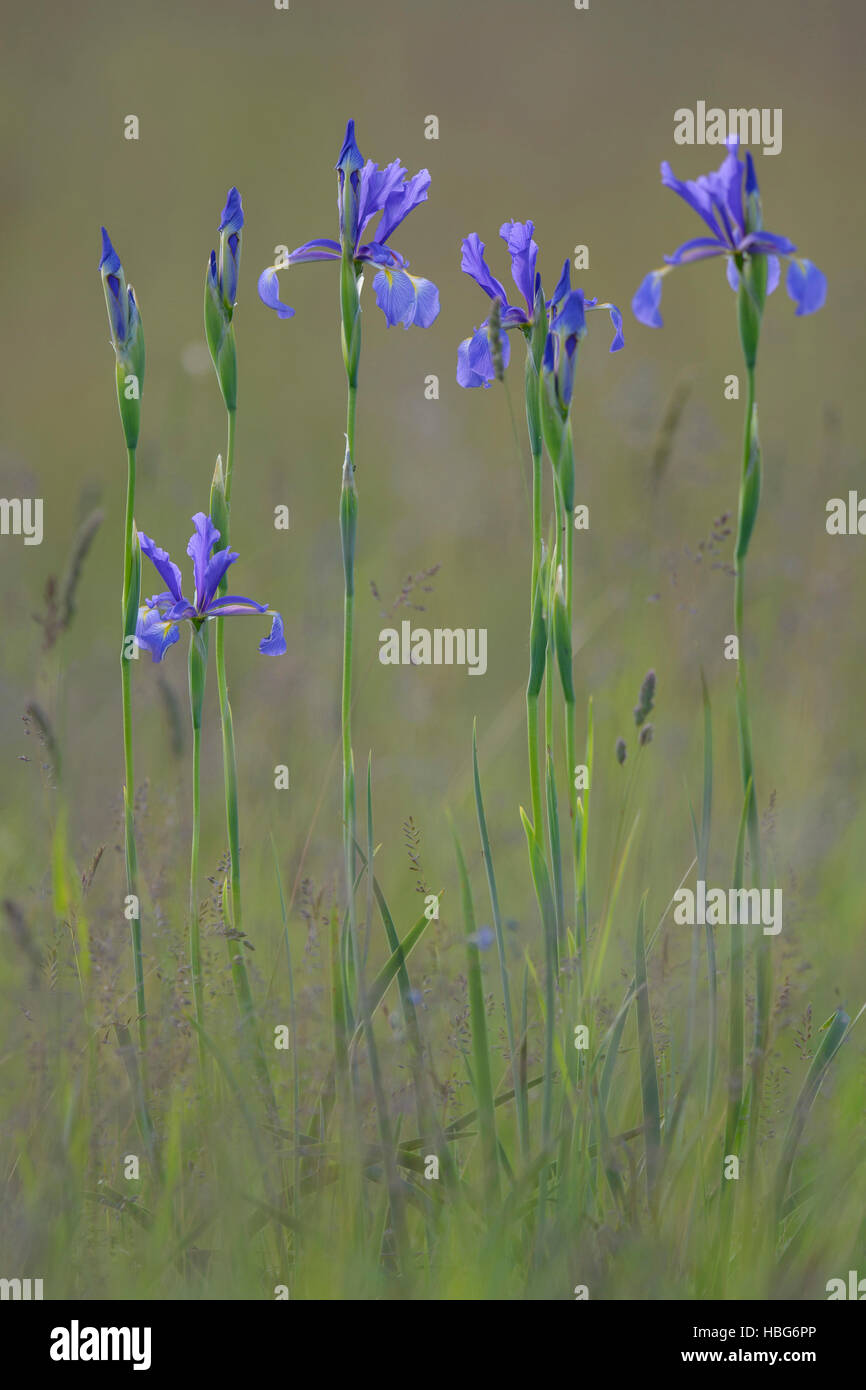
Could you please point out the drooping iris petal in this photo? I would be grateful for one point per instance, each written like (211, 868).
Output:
(154, 634)
(269, 294)
(466, 375)
(616, 320)
(472, 263)
(406, 299)
(199, 547)
(426, 301)
(275, 643)
(480, 354)
(401, 202)
(395, 296)
(646, 302)
(319, 249)
(163, 564)
(524, 254)
(807, 286)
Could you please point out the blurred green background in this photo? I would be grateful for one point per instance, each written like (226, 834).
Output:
(545, 113)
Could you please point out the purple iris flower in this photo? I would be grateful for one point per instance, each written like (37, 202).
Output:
(474, 358)
(364, 192)
(729, 203)
(566, 316)
(158, 619)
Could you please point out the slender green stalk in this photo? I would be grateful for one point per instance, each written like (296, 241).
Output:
(220, 512)
(197, 672)
(129, 610)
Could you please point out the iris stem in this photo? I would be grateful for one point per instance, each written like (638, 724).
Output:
(535, 446)
(196, 693)
(131, 855)
(234, 935)
(349, 815)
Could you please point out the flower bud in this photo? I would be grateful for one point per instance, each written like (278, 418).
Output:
(127, 338)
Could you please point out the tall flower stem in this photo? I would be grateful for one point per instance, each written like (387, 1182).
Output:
(131, 587)
(750, 301)
(197, 673)
(220, 512)
(350, 312)
(536, 654)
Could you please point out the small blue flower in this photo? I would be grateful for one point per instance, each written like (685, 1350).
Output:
(364, 191)
(728, 201)
(483, 938)
(474, 359)
(158, 619)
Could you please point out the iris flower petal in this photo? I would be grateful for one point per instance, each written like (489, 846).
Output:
(395, 296)
(700, 249)
(698, 198)
(154, 634)
(163, 564)
(269, 294)
(646, 302)
(406, 299)
(616, 320)
(319, 249)
(472, 263)
(376, 186)
(216, 568)
(524, 255)
(235, 606)
(232, 219)
(807, 286)
(275, 643)
(466, 375)
(199, 547)
(426, 301)
(401, 201)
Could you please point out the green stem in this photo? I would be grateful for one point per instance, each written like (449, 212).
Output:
(129, 778)
(744, 726)
(196, 690)
(234, 935)
(534, 765)
(346, 701)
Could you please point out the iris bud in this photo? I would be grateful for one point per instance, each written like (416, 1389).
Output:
(127, 338)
